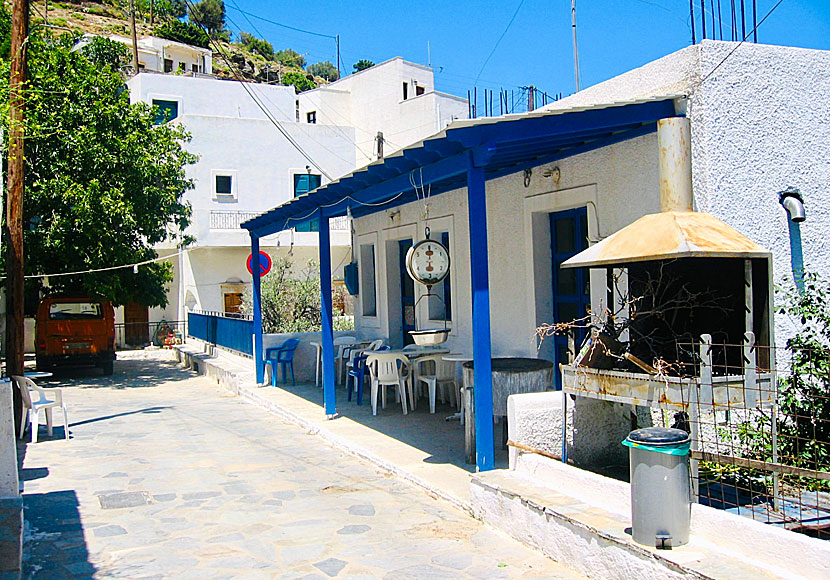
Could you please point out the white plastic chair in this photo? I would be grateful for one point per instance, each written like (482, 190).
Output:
(436, 373)
(345, 344)
(390, 369)
(48, 399)
(356, 352)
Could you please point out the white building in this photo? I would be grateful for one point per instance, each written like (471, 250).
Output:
(247, 163)
(163, 55)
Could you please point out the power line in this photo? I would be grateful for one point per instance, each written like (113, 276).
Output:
(281, 25)
(731, 52)
(492, 52)
(217, 47)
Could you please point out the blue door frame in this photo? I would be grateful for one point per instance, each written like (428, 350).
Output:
(571, 291)
(407, 294)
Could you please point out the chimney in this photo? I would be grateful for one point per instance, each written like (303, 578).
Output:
(675, 145)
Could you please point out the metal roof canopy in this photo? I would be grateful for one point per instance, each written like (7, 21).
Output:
(500, 146)
(668, 235)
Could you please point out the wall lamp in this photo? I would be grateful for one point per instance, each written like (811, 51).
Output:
(792, 201)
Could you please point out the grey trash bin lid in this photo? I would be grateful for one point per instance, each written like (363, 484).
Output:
(660, 439)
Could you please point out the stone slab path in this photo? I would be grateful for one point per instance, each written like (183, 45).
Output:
(166, 475)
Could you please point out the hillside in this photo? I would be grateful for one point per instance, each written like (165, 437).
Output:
(108, 17)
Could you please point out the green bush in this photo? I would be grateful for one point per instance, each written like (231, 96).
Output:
(292, 304)
(257, 45)
(300, 81)
(324, 70)
(290, 57)
(184, 32)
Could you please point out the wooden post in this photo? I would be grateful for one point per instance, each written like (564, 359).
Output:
(135, 40)
(14, 207)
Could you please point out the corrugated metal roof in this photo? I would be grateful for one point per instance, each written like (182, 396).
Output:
(668, 235)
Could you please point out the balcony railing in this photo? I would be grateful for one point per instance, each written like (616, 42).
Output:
(231, 220)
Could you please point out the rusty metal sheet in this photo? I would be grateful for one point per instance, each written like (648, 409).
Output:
(668, 235)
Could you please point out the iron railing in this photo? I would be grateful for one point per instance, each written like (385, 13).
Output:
(135, 334)
(230, 220)
(233, 332)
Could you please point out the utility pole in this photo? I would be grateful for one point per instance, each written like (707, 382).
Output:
(531, 101)
(135, 41)
(14, 207)
(337, 39)
(152, 11)
(576, 52)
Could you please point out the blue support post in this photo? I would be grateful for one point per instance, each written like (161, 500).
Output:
(259, 362)
(327, 333)
(480, 286)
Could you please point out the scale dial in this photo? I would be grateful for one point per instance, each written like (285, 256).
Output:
(428, 262)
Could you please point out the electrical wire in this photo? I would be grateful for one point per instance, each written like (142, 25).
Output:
(217, 47)
(492, 52)
(275, 23)
(731, 52)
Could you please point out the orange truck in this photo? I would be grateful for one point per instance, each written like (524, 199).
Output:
(75, 331)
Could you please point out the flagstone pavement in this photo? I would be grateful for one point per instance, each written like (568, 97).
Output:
(167, 475)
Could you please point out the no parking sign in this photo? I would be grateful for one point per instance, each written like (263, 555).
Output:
(264, 263)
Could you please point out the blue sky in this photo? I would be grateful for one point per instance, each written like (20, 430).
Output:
(613, 36)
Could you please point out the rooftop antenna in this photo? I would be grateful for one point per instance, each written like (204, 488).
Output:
(576, 52)
(429, 56)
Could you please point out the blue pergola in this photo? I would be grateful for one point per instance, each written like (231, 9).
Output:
(468, 153)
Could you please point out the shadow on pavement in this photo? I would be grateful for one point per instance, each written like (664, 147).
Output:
(130, 371)
(148, 410)
(53, 542)
(433, 434)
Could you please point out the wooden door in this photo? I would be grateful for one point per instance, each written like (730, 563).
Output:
(233, 303)
(136, 324)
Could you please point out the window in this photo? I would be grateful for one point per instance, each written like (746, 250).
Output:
(297, 109)
(75, 310)
(311, 117)
(168, 65)
(368, 295)
(194, 68)
(224, 185)
(181, 67)
(405, 91)
(165, 110)
(440, 305)
(303, 183)
(419, 90)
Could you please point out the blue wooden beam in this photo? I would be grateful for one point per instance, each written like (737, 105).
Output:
(259, 361)
(327, 330)
(480, 286)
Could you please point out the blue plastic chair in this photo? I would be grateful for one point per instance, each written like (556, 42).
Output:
(283, 356)
(357, 374)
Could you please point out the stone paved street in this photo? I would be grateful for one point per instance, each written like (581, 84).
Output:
(167, 475)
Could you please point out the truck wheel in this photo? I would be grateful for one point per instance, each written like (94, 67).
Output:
(107, 367)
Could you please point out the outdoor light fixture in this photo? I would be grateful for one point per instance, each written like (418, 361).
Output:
(792, 201)
(553, 173)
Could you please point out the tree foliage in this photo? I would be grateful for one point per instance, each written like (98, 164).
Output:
(362, 64)
(324, 69)
(103, 184)
(162, 8)
(257, 45)
(804, 395)
(300, 81)
(209, 14)
(292, 303)
(289, 57)
(184, 32)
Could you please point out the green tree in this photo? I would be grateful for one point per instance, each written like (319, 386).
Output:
(291, 303)
(184, 32)
(290, 57)
(209, 14)
(300, 81)
(162, 8)
(103, 183)
(324, 69)
(362, 64)
(257, 45)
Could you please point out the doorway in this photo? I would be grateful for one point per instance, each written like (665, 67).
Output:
(407, 293)
(136, 324)
(571, 288)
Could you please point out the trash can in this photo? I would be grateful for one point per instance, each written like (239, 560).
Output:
(660, 492)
